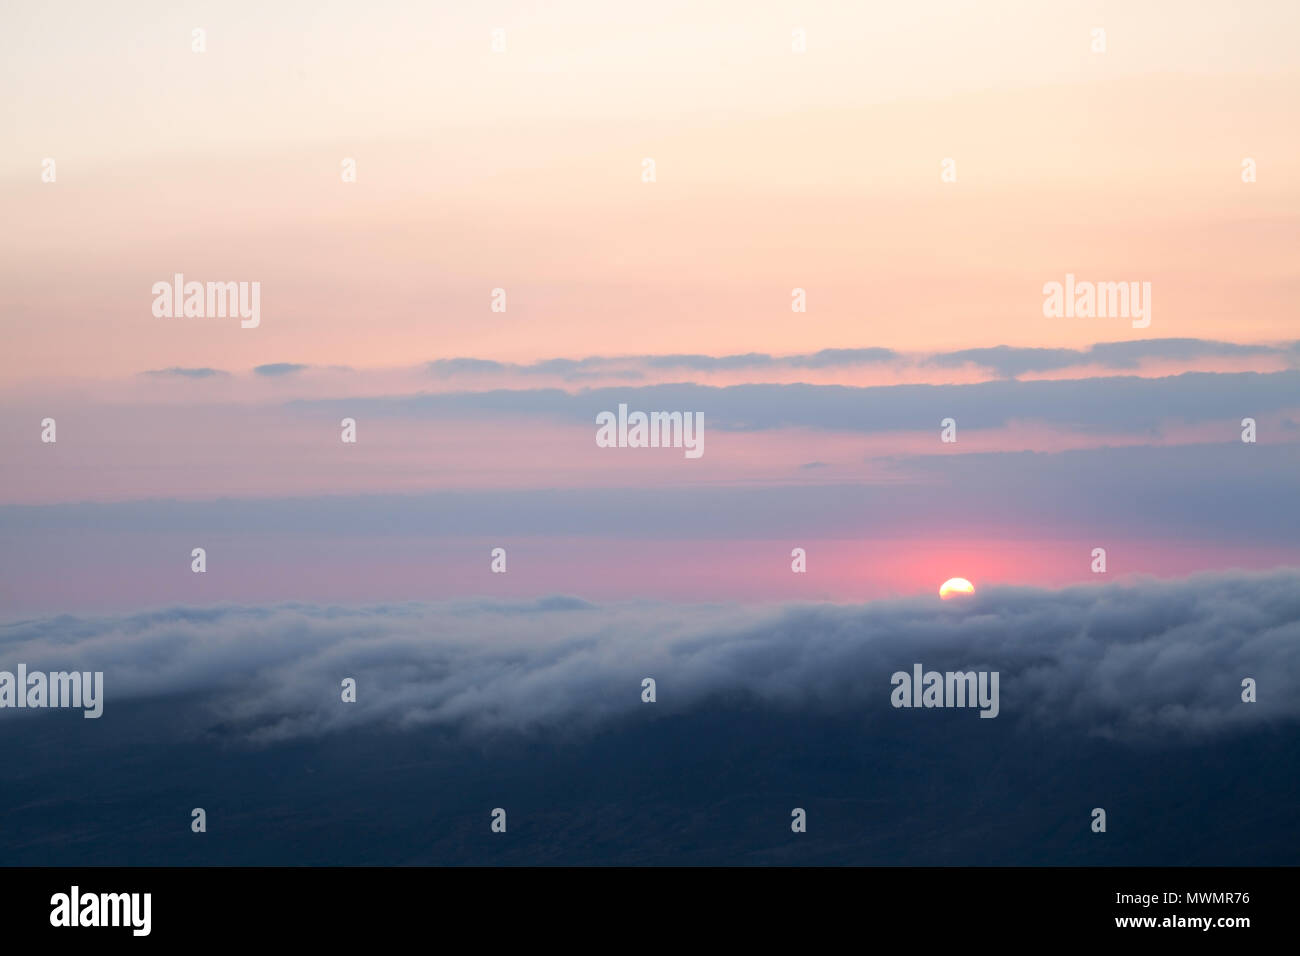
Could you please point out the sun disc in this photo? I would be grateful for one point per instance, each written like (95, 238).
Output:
(954, 587)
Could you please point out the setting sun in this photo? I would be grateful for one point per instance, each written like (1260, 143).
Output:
(954, 587)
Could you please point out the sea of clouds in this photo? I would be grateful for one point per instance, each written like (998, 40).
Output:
(1144, 661)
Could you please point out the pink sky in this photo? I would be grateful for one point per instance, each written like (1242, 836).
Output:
(522, 171)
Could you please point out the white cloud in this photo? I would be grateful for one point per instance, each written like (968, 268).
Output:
(1155, 661)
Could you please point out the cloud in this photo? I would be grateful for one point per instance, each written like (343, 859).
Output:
(1120, 404)
(178, 372)
(466, 366)
(635, 367)
(1131, 354)
(832, 358)
(1010, 362)
(279, 368)
(1003, 360)
(1146, 663)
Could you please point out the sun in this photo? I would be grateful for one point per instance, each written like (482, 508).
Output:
(955, 587)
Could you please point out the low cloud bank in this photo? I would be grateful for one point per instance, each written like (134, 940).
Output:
(1153, 661)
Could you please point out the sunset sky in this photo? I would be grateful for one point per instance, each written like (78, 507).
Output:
(522, 170)
(486, 235)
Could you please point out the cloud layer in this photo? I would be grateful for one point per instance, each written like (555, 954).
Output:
(1147, 663)
(1120, 404)
(999, 361)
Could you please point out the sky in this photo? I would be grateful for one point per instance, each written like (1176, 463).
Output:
(523, 171)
